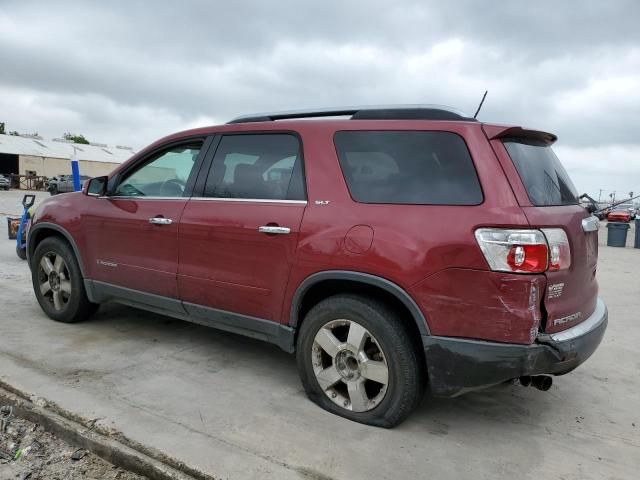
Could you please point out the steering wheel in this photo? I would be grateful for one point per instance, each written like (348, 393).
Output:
(168, 186)
(129, 190)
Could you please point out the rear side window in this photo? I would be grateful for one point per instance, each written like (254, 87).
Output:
(257, 166)
(545, 179)
(421, 168)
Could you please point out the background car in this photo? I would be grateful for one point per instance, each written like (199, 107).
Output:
(5, 183)
(64, 183)
(620, 213)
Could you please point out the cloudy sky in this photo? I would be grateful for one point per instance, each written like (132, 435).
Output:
(128, 72)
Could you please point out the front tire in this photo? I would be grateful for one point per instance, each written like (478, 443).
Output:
(58, 283)
(357, 359)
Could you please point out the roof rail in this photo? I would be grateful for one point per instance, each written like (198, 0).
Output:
(372, 112)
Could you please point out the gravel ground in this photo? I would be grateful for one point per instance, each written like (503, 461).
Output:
(27, 451)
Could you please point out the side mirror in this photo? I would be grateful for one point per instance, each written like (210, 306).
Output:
(96, 187)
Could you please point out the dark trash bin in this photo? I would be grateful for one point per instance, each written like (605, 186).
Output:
(617, 234)
(637, 242)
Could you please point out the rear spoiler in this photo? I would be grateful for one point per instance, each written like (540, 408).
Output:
(536, 137)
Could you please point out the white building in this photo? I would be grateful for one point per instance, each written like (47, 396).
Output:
(32, 155)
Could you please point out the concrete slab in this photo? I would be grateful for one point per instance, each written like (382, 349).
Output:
(234, 408)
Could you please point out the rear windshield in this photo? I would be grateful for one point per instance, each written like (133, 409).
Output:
(423, 168)
(544, 177)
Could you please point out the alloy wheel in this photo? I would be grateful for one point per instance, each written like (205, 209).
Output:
(54, 280)
(349, 365)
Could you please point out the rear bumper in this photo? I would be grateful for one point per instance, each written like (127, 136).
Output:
(457, 365)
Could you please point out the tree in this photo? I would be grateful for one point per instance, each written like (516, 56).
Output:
(2, 128)
(75, 138)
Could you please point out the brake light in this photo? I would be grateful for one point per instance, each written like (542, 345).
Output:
(559, 250)
(518, 251)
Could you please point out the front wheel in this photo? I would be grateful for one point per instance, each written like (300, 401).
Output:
(357, 359)
(57, 282)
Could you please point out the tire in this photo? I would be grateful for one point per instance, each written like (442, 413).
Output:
(53, 190)
(21, 252)
(64, 297)
(387, 343)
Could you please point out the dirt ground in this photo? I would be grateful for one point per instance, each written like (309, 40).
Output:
(28, 452)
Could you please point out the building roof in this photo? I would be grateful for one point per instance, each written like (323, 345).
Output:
(60, 148)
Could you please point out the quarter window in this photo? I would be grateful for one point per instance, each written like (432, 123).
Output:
(412, 167)
(164, 175)
(257, 166)
(545, 179)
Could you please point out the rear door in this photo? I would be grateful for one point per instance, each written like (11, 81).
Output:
(550, 201)
(238, 237)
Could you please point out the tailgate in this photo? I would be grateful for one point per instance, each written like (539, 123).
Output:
(549, 200)
(571, 294)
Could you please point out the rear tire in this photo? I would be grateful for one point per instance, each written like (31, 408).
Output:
(340, 341)
(58, 283)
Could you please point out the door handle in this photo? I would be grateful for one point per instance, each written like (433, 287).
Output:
(274, 230)
(160, 221)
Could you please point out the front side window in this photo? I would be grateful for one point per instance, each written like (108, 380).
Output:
(408, 167)
(257, 166)
(164, 175)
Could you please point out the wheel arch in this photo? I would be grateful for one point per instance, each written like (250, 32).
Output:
(43, 230)
(320, 285)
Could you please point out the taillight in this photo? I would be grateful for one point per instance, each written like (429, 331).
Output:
(519, 251)
(559, 251)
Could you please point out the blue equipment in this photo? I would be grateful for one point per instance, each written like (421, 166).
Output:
(21, 237)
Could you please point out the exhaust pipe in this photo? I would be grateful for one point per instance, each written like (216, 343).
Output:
(541, 382)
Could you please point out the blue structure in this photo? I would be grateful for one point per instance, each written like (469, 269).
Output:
(75, 171)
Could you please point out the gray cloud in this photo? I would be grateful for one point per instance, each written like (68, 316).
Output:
(129, 72)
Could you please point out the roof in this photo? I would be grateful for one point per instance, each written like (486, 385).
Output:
(60, 148)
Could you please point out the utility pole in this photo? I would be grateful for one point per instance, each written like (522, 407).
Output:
(599, 195)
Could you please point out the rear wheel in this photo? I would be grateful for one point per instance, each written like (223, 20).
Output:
(356, 359)
(57, 282)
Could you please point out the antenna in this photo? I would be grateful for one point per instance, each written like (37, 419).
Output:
(481, 102)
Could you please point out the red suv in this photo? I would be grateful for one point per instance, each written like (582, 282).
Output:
(392, 250)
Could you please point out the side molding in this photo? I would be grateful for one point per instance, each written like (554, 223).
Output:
(63, 232)
(392, 288)
(258, 328)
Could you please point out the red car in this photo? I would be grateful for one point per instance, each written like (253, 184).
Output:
(395, 250)
(619, 215)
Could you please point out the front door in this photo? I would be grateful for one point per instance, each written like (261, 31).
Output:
(238, 239)
(132, 235)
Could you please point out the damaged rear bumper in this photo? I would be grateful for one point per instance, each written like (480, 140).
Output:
(458, 365)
